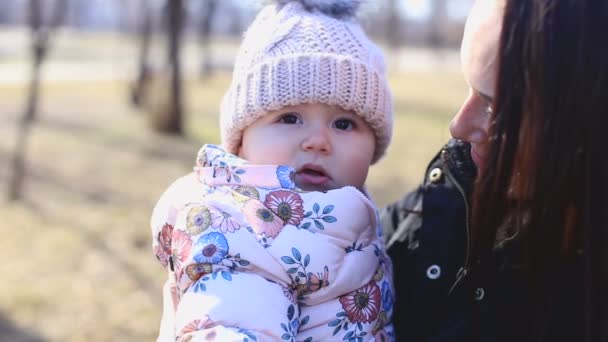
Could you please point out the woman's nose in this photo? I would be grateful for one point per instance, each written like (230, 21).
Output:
(472, 120)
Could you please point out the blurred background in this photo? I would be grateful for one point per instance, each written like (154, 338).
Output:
(103, 103)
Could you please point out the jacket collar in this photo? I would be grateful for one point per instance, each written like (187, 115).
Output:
(215, 166)
(458, 160)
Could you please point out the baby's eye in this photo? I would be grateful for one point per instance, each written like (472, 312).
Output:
(289, 118)
(345, 124)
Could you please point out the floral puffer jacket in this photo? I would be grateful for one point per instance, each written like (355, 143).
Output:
(251, 257)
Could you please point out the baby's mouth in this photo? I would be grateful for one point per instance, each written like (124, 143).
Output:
(311, 178)
(313, 173)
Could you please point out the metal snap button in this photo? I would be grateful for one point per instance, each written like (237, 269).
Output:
(433, 272)
(435, 175)
(479, 294)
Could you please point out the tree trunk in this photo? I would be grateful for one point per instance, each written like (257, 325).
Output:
(40, 34)
(204, 32)
(438, 22)
(25, 125)
(393, 25)
(6, 12)
(138, 90)
(167, 117)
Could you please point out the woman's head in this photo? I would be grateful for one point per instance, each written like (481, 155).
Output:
(307, 52)
(546, 156)
(478, 56)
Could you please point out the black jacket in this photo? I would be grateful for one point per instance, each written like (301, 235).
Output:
(428, 239)
(427, 235)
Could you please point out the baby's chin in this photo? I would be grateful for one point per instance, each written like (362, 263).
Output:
(312, 187)
(325, 188)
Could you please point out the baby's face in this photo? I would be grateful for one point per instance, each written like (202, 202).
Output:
(327, 146)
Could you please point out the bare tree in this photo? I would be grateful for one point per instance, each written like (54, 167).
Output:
(438, 23)
(143, 70)
(393, 24)
(79, 13)
(167, 115)
(236, 23)
(5, 12)
(204, 35)
(40, 34)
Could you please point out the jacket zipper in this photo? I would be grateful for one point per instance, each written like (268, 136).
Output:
(462, 272)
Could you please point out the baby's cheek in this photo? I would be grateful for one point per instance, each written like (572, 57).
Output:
(356, 168)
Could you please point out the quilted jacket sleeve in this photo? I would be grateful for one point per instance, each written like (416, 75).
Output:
(163, 219)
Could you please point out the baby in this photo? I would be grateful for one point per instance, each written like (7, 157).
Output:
(273, 236)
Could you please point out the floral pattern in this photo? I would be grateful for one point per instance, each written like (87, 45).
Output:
(227, 265)
(387, 297)
(230, 173)
(318, 281)
(162, 250)
(212, 155)
(208, 243)
(362, 305)
(286, 176)
(287, 205)
(354, 247)
(381, 336)
(223, 221)
(181, 248)
(262, 219)
(379, 274)
(319, 218)
(198, 220)
(290, 330)
(199, 285)
(304, 282)
(213, 248)
(380, 322)
(247, 191)
(196, 271)
(185, 334)
(289, 294)
(249, 335)
(201, 158)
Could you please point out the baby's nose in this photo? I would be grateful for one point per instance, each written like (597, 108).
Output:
(317, 141)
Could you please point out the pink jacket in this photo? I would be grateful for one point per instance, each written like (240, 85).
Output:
(251, 257)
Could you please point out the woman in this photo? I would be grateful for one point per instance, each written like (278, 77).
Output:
(540, 222)
(529, 261)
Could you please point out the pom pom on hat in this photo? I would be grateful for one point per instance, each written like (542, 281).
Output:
(339, 9)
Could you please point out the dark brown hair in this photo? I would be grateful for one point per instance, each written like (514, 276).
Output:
(549, 153)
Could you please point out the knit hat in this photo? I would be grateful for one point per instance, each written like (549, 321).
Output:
(307, 51)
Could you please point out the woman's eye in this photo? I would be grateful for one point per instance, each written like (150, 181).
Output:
(344, 124)
(289, 118)
(489, 110)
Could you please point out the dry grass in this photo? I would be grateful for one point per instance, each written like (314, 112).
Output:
(78, 264)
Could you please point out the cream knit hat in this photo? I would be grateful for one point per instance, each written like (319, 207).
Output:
(307, 51)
